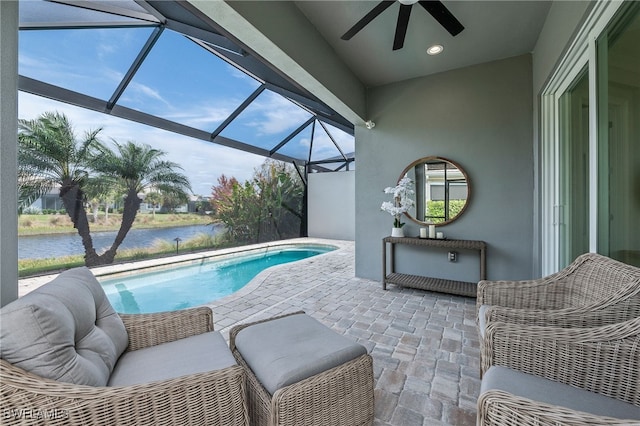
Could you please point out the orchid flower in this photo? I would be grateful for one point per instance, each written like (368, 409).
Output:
(402, 200)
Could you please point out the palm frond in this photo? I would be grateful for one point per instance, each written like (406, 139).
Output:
(50, 155)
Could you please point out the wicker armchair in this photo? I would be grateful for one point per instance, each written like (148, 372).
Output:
(594, 290)
(215, 398)
(605, 361)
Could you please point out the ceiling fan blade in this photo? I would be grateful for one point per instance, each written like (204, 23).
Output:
(401, 26)
(443, 16)
(373, 13)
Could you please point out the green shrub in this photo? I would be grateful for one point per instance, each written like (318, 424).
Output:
(435, 210)
(31, 210)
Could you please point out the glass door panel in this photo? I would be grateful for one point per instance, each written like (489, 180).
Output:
(573, 208)
(619, 140)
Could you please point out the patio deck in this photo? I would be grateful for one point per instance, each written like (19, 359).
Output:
(424, 345)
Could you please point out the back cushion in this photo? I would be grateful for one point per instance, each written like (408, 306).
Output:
(65, 330)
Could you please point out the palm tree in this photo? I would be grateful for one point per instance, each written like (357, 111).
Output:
(154, 198)
(137, 168)
(50, 156)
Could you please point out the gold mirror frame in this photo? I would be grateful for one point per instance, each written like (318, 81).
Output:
(421, 189)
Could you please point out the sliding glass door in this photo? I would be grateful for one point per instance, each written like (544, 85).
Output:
(573, 207)
(618, 189)
(590, 155)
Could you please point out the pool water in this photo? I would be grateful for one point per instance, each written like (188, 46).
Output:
(194, 284)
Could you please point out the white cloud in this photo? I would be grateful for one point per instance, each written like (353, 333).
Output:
(113, 75)
(147, 92)
(276, 114)
(26, 61)
(104, 49)
(202, 116)
(54, 71)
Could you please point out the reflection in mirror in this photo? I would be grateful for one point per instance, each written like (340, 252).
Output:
(441, 190)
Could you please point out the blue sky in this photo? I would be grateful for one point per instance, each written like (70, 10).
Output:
(179, 81)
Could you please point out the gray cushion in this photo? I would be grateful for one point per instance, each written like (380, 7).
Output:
(65, 330)
(196, 354)
(290, 349)
(547, 391)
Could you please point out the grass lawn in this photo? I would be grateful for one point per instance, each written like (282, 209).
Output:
(29, 267)
(56, 223)
(37, 224)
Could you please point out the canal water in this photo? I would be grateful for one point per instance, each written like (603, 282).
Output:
(44, 246)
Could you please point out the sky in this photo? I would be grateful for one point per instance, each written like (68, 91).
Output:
(178, 81)
(202, 162)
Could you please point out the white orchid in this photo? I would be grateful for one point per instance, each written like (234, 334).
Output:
(402, 200)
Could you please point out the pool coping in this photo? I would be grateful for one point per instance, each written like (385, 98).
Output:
(27, 285)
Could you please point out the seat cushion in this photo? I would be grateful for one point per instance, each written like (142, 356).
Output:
(65, 330)
(196, 354)
(547, 391)
(290, 349)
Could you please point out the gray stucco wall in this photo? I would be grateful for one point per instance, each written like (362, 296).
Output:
(563, 20)
(8, 147)
(332, 205)
(479, 117)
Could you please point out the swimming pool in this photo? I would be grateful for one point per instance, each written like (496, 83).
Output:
(183, 286)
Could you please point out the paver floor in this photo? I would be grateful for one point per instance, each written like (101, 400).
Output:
(424, 345)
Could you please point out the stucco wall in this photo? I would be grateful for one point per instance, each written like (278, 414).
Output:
(332, 205)
(8, 147)
(562, 22)
(479, 117)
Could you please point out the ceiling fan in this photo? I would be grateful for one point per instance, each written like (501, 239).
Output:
(435, 8)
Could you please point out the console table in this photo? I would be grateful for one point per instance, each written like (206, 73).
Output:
(428, 283)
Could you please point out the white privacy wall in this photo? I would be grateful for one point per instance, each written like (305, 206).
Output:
(332, 205)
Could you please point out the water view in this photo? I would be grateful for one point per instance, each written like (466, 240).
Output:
(55, 245)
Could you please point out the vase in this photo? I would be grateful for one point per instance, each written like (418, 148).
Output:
(397, 232)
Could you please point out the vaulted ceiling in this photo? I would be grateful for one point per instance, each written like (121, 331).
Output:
(492, 30)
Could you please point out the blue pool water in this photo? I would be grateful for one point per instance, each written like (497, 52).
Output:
(181, 287)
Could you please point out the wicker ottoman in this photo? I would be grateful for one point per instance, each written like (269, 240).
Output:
(300, 372)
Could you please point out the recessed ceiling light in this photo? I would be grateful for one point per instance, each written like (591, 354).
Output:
(435, 49)
(408, 2)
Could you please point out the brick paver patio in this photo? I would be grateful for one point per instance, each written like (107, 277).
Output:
(424, 345)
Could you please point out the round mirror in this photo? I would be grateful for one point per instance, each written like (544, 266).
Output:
(441, 190)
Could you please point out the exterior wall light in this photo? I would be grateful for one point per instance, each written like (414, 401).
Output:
(369, 124)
